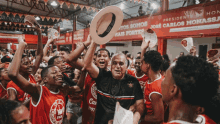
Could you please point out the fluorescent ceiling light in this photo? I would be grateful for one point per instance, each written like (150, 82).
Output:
(28, 26)
(37, 18)
(53, 3)
(122, 6)
(154, 5)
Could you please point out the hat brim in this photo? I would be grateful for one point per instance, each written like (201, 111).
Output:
(118, 21)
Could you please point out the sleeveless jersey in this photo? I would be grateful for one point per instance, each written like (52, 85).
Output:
(3, 92)
(150, 88)
(50, 108)
(89, 101)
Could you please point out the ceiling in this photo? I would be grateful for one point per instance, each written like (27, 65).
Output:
(84, 17)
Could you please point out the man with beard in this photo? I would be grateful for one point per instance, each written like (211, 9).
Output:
(150, 65)
(26, 70)
(190, 85)
(4, 79)
(90, 95)
(47, 102)
(112, 86)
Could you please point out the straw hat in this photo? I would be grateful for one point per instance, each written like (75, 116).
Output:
(105, 24)
(30, 20)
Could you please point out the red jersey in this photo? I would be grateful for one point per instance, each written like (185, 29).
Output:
(20, 94)
(150, 88)
(179, 122)
(142, 80)
(204, 119)
(50, 108)
(89, 101)
(130, 72)
(3, 92)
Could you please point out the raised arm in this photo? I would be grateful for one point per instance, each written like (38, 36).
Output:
(13, 73)
(144, 47)
(47, 45)
(158, 109)
(39, 55)
(81, 80)
(92, 69)
(72, 59)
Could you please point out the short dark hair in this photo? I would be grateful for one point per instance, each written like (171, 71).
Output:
(212, 109)
(139, 53)
(197, 79)
(66, 49)
(6, 59)
(154, 59)
(103, 49)
(165, 65)
(44, 72)
(128, 55)
(166, 57)
(6, 108)
(138, 57)
(51, 60)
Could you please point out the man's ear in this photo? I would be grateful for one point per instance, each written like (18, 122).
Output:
(174, 90)
(45, 80)
(200, 110)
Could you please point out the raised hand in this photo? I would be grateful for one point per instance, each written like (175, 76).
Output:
(145, 45)
(21, 41)
(49, 41)
(89, 40)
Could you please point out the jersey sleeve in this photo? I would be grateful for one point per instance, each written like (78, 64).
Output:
(13, 86)
(156, 89)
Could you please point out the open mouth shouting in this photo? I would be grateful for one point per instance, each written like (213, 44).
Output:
(59, 79)
(102, 64)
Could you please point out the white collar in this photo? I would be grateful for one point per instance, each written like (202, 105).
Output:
(137, 76)
(55, 92)
(182, 122)
(2, 86)
(155, 79)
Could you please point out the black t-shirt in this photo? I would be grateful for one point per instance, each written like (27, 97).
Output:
(126, 91)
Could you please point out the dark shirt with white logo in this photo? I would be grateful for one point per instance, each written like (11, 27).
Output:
(109, 90)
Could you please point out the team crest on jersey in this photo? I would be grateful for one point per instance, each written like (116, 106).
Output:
(57, 112)
(93, 90)
(130, 84)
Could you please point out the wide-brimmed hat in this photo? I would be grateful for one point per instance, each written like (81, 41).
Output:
(105, 24)
(31, 21)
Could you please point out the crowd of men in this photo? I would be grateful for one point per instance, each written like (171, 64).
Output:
(65, 87)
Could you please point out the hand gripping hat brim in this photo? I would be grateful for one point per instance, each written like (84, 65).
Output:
(30, 19)
(109, 18)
